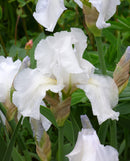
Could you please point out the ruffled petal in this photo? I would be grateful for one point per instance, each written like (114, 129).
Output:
(106, 9)
(103, 95)
(48, 12)
(31, 87)
(61, 55)
(88, 148)
(8, 71)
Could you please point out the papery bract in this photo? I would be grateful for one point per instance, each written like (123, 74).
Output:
(48, 12)
(8, 71)
(31, 87)
(89, 148)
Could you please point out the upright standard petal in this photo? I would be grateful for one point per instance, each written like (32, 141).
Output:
(106, 9)
(8, 71)
(62, 53)
(31, 87)
(48, 12)
(103, 95)
(89, 148)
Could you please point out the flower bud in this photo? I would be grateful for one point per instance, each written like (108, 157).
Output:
(43, 144)
(29, 44)
(60, 109)
(121, 73)
(43, 148)
(91, 16)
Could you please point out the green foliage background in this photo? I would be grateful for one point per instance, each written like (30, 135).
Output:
(17, 26)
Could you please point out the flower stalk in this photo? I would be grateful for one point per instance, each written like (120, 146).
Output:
(61, 143)
(101, 56)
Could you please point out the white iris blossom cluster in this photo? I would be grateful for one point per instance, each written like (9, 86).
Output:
(60, 65)
(48, 19)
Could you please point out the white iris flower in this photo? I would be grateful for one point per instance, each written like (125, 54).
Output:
(89, 148)
(61, 55)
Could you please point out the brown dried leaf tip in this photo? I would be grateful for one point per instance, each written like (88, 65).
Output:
(122, 71)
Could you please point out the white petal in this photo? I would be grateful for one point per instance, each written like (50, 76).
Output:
(79, 40)
(31, 87)
(37, 129)
(25, 63)
(103, 95)
(79, 3)
(45, 122)
(106, 9)
(48, 12)
(8, 70)
(88, 148)
(3, 118)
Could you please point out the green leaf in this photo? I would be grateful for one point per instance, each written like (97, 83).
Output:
(16, 156)
(48, 114)
(3, 147)
(7, 156)
(102, 132)
(122, 147)
(67, 149)
(16, 51)
(113, 133)
(68, 131)
(0, 12)
(78, 96)
(76, 127)
(123, 108)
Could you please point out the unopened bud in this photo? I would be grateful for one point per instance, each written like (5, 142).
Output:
(61, 111)
(122, 71)
(29, 44)
(43, 144)
(43, 148)
(91, 16)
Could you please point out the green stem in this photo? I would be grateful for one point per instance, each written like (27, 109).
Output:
(61, 143)
(100, 53)
(3, 45)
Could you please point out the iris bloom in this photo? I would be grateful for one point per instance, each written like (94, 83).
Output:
(8, 71)
(61, 55)
(48, 12)
(89, 148)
